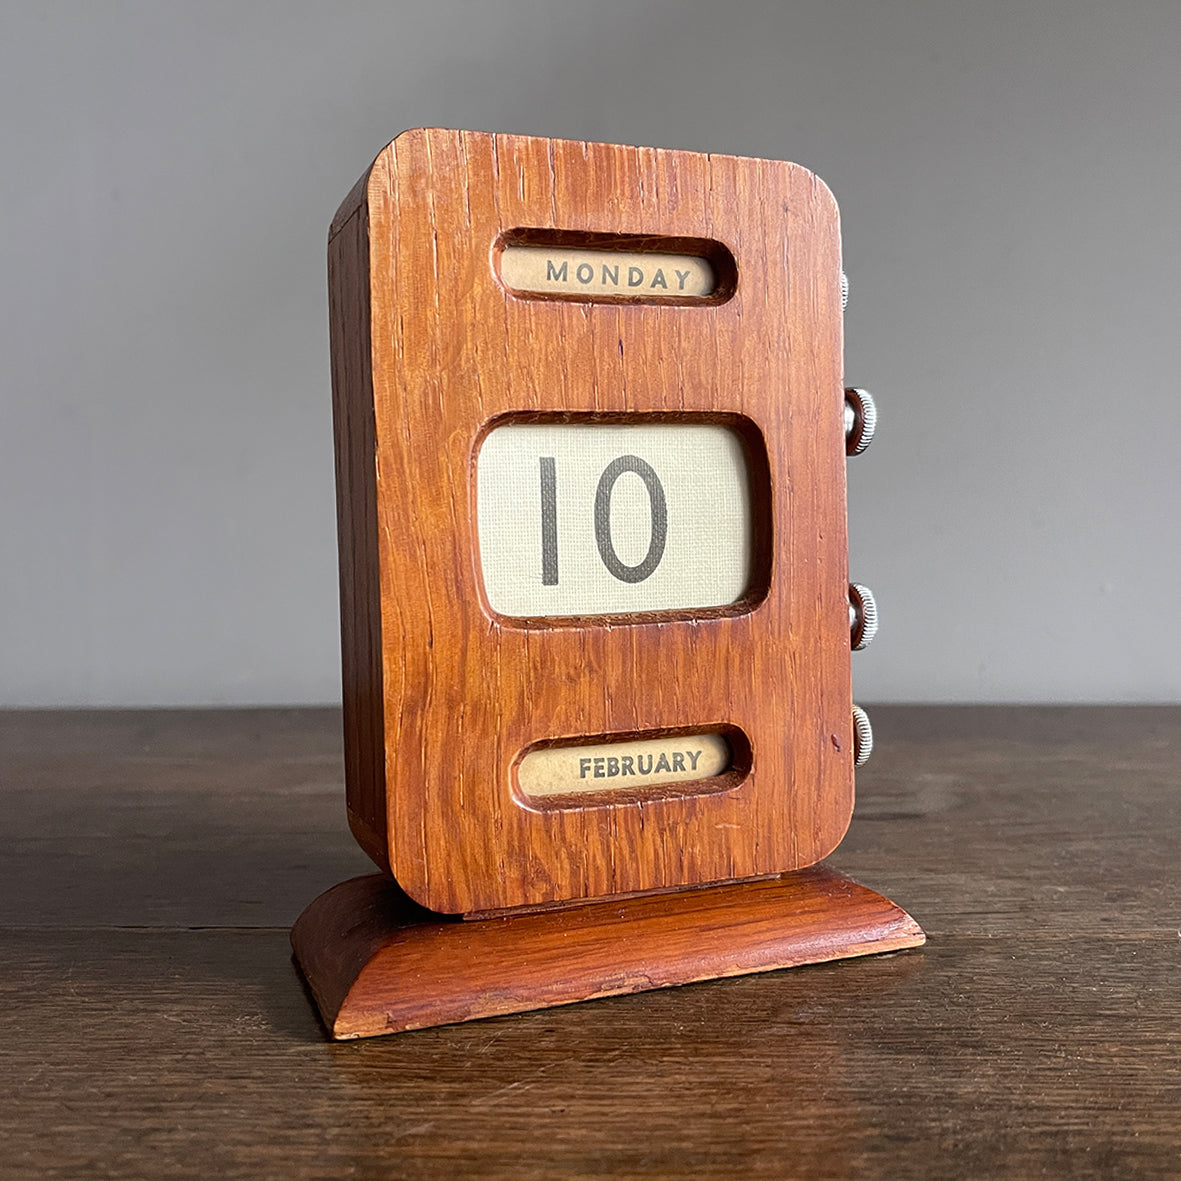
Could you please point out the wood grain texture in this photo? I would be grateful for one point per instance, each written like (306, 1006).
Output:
(357, 528)
(465, 691)
(377, 963)
(153, 1024)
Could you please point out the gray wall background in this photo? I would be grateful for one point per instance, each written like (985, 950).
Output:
(1008, 175)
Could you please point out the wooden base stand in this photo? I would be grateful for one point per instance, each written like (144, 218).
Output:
(377, 963)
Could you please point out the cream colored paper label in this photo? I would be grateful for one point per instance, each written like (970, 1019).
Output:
(557, 270)
(623, 766)
(599, 519)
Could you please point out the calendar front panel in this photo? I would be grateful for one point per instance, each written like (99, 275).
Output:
(608, 526)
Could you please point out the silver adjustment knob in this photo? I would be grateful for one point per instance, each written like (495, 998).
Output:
(863, 616)
(844, 291)
(861, 420)
(862, 737)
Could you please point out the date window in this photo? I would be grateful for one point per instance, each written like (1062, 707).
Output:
(616, 518)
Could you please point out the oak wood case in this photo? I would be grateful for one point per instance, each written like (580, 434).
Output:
(441, 695)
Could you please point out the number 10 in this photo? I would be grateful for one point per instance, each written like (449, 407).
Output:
(602, 519)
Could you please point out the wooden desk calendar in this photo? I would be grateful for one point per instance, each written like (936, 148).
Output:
(591, 436)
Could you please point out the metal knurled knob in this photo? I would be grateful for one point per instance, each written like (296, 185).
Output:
(861, 420)
(862, 737)
(863, 616)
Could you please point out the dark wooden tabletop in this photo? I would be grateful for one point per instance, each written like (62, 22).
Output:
(153, 1023)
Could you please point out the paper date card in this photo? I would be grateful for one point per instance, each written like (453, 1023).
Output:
(596, 518)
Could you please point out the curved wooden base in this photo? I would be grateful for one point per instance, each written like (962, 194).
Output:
(377, 963)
